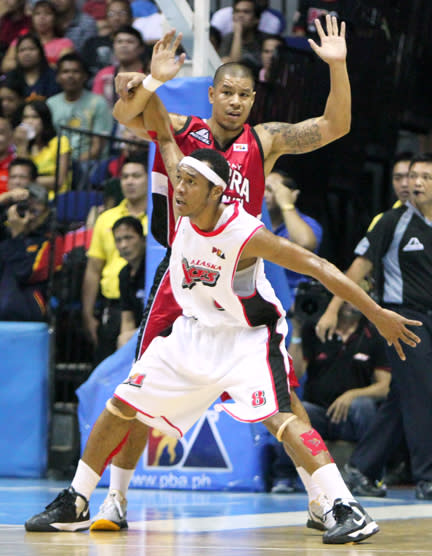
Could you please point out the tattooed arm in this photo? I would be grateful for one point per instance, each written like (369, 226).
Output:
(280, 138)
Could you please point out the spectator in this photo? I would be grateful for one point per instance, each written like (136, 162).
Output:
(77, 107)
(7, 151)
(244, 43)
(98, 50)
(13, 21)
(104, 261)
(22, 172)
(281, 195)
(36, 138)
(129, 52)
(269, 48)
(75, 25)
(25, 258)
(271, 21)
(346, 378)
(130, 242)
(45, 26)
(12, 95)
(33, 69)
(96, 9)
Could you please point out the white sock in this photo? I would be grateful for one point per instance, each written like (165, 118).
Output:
(312, 488)
(120, 478)
(330, 480)
(85, 479)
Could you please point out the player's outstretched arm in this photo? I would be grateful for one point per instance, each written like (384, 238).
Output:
(133, 96)
(281, 138)
(391, 325)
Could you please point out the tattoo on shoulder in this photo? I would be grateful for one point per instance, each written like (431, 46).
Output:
(296, 138)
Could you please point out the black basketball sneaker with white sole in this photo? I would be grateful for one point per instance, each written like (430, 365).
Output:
(68, 512)
(353, 524)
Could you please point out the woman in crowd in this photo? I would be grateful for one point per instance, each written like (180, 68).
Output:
(33, 69)
(36, 138)
(45, 27)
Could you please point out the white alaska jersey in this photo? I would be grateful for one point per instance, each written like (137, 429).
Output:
(204, 279)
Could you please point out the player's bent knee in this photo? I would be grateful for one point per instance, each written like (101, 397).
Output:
(120, 410)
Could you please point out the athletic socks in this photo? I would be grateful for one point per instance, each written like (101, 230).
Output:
(85, 479)
(120, 479)
(330, 480)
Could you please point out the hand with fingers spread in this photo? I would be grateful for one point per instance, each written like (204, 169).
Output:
(393, 327)
(333, 45)
(164, 65)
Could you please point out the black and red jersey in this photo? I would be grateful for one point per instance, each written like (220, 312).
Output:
(247, 181)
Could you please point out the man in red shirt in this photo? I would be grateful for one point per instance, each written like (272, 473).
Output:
(13, 20)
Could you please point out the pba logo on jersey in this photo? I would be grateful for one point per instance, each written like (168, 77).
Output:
(240, 147)
(202, 135)
(199, 271)
(135, 380)
(218, 252)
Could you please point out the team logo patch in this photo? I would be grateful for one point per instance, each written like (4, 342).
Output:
(202, 135)
(135, 380)
(218, 252)
(414, 244)
(197, 273)
(240, 147)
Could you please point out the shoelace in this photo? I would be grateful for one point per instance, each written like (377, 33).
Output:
(113, 500)
(63, 494)
(340, 512)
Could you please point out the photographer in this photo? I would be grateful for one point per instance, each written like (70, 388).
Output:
(25, 255)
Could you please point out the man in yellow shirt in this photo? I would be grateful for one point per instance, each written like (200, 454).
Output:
(104, 262)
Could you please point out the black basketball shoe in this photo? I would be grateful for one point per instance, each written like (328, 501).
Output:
(353, 524)
(68, 512)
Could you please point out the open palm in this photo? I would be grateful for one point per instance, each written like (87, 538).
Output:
(333, 45)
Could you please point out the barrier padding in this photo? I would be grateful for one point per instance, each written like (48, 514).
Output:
(24, 399)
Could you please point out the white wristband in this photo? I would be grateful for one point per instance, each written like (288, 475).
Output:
(296, 340)
(150, 83)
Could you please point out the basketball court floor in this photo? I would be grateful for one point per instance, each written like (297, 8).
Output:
(198, 523)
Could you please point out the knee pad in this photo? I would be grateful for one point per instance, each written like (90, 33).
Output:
(117, 412)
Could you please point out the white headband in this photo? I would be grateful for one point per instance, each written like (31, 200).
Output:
(203, 169)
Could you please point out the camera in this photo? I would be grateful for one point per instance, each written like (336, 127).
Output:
(22, 207)
(311, 301)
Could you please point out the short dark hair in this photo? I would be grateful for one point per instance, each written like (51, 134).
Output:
(216, 161)
(423, 157)
(73, 57)
(129, 30)
(21, 161)
(236, 70)
(287, 180)
(402, 155)
(257, 9)
(131, 222)
(136, 159)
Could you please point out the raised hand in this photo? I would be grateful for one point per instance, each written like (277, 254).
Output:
(164, 63)
(393, 327)
(333, 45)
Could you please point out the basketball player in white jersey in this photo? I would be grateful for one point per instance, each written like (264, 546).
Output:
(229, 338)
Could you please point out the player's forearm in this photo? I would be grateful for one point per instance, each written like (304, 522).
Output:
(337, 112)
(126, 109)
(359, 269)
